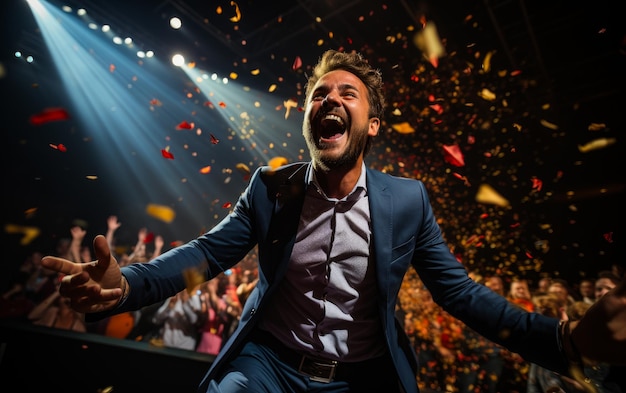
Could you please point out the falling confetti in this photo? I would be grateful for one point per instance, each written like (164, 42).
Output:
(184, 125)
(161, 212)
(29, 233)
(49, 115)
(166, 153)
(486, 194)
(277, 162)
(596, 144)
(403, 128)
(453, 155)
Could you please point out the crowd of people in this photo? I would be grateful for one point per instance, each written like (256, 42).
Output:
(453, 358)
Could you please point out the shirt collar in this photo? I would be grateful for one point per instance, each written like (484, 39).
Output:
(361, 183)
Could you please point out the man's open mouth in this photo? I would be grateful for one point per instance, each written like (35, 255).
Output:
(331, 127)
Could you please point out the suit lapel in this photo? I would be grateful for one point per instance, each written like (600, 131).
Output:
(287, 189)
(381, 213)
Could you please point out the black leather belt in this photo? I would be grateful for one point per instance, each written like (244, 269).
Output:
(317, 369)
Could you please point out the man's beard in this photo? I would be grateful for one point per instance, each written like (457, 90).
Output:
(326, 161)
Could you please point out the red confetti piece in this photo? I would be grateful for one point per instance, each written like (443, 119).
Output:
(453, 155)
(155, 102)
(60, 147)
(227, 205)
(165, 153)
(537, 184)
(608, 237)
(209, 104)
(484, 215)
(111, 67)
(214, 140)
(297, 63)
(48, 115)
(184, 125)
(222, 104)
(529, 255)
(149, 238)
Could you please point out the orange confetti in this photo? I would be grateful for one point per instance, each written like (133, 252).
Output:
(155, 102)
(222, 104)
(277, 162)
(111, 67)
(403, 128)
(206, 169)
(237, 16)
(29, 233)
(243, 168)
(48, 115)
(163, 213)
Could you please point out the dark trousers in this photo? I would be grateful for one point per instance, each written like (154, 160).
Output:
(260, 368)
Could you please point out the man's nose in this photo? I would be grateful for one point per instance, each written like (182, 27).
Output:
(329, 100)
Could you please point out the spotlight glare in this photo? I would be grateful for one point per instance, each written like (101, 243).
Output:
(128, 41)
(150, 53)
(29, 59)
(117, 40)
(178, 60)
(18, 54)
(141, 54)
(214, 77)
(106, 28)
(92, 26)
(81, 12)
(225, 81)
(175, 23)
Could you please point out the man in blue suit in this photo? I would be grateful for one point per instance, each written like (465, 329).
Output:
(335, 239)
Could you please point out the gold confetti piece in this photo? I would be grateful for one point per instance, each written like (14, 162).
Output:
(30, 233)
(486, 194)
(403, 128)
(272, 88)
(161, 212)
(194, 277)
(290, 103)
(596, 126)
(487, 61)
(487, 94)
(277, 161)
(237, 16)
(243, 168)
(596, 144)
(549, 125)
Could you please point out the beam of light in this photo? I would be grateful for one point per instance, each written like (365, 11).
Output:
(132, 108)
(255, 117)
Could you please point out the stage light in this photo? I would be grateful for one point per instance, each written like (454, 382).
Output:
(178, 60)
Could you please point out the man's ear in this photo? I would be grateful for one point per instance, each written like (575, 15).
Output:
(374, 126)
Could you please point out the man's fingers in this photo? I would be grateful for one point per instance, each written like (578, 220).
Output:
(61, 265)
(102, 251)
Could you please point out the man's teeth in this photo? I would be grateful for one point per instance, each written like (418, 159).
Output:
(333, 118)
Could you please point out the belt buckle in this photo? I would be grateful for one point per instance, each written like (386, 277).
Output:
(318, 370)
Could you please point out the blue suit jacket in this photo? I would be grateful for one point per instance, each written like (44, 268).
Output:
(405, 233)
